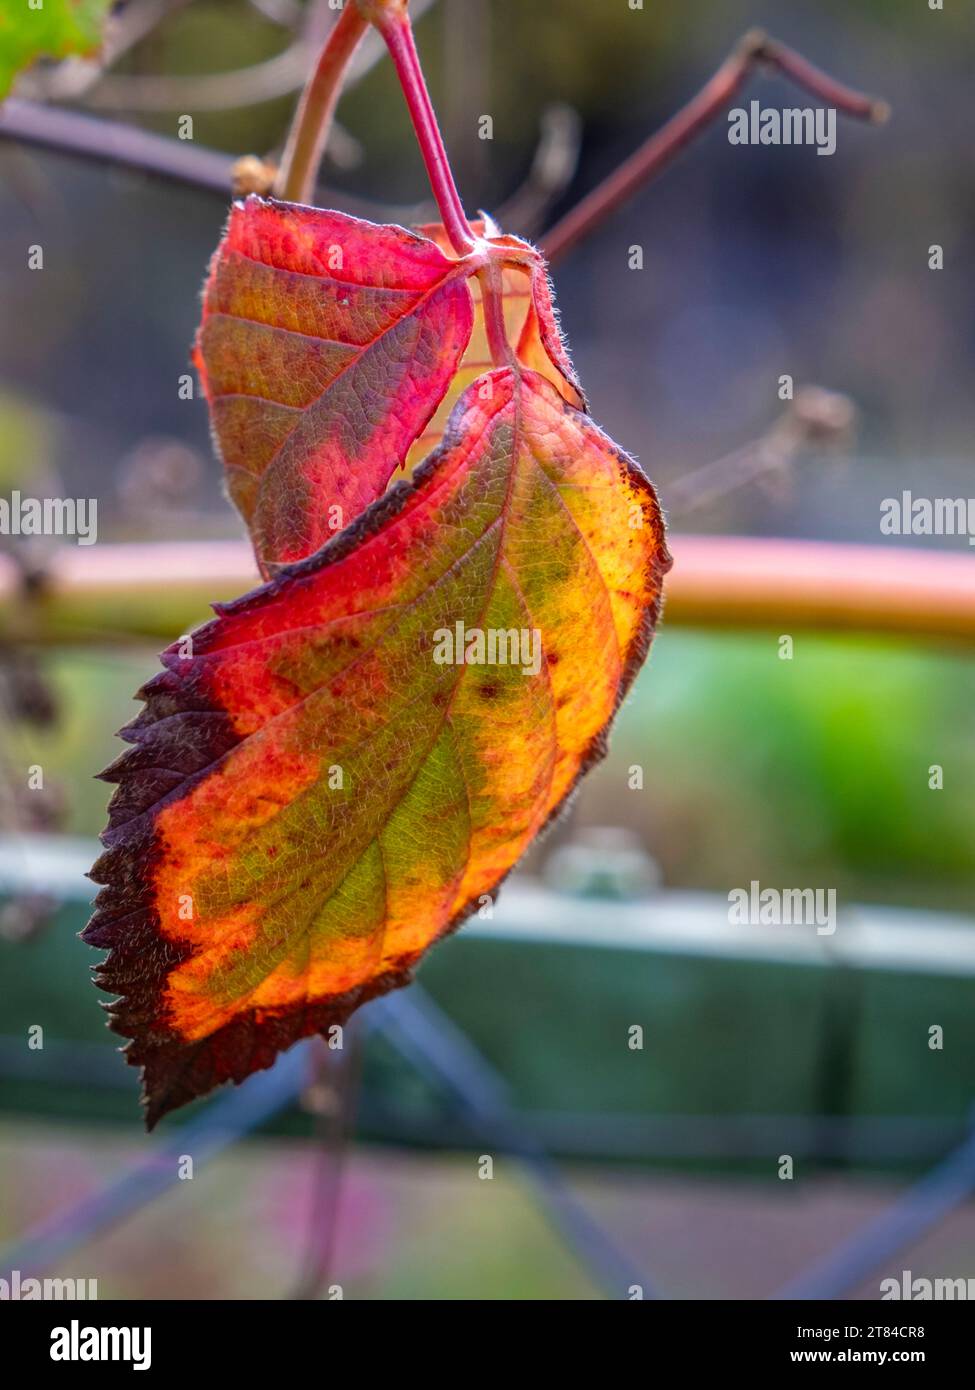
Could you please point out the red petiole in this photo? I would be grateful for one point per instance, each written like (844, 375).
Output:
(393, 23)
(309, 133)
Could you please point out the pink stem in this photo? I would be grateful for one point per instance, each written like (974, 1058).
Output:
(492, 299)
(396, 30)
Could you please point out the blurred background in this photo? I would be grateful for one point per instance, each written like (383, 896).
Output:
(757, 262)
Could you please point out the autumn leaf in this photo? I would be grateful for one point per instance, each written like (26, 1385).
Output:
(335, 773)
(326, 345)
(332, 350)
(58, 29)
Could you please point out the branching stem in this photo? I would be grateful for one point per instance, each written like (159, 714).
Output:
(754, 51)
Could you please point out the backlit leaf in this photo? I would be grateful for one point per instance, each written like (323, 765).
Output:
(326, 345)
(315, 794)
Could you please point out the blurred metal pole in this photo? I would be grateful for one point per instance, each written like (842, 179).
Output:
(222, 1123)
(921, 1207)
(332, 1099)
(427, 1037)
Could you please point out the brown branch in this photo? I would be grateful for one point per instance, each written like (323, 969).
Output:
(109, 142)
(112, 142)
(313, 118)
(176, 161)
(756, 50)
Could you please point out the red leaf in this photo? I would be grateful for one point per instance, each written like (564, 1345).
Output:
(325, 347)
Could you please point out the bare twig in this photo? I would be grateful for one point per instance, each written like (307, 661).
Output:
(313, 120)
(222, 91)
(266, 81)
(216, 91)
(176, 161)
(183, 162)
(755, 50)
(269, 80)
(111, 142)
(815, 417)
